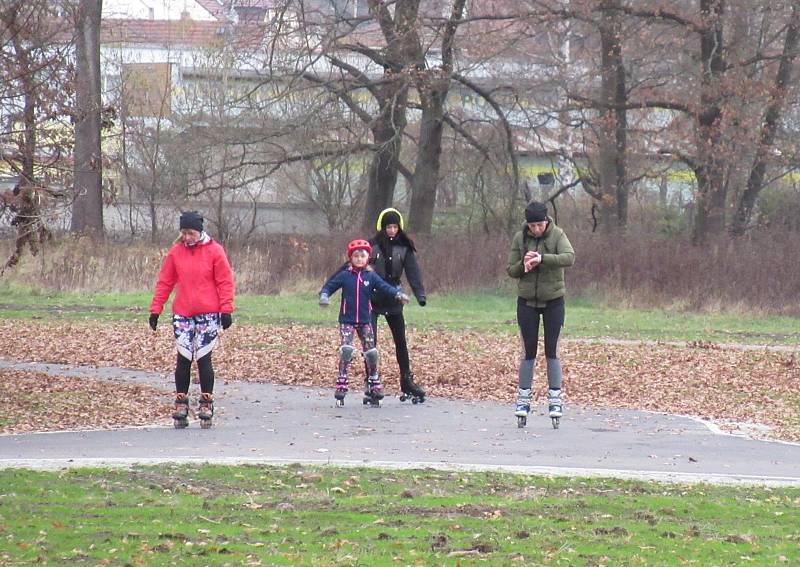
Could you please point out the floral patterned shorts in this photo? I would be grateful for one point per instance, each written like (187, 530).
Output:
(196, 336)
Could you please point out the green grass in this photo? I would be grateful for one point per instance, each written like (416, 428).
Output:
(219, 515)
(490, 311)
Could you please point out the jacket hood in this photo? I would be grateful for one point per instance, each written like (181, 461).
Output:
(394, 211)
(205, 238)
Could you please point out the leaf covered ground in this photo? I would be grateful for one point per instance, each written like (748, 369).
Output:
(730, 386)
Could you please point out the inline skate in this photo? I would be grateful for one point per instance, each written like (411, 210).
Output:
(180, 417)
(410, 390)
(554, 407)
(205, 410)
(523, 406)
(373, 391)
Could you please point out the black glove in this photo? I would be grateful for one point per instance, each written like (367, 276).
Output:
(422, 302)
(226, 320)
(153, 321)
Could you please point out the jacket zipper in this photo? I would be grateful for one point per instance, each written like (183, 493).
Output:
(536, 285)
(358, 296)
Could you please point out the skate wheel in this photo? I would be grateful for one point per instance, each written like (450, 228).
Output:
(556, 421)
(365, 401)
(415, 401)
(522, 421)
(403, 397)
(339, 403)
(205, 424)
(181, 423)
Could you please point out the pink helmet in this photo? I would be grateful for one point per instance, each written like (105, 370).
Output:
(358, 245)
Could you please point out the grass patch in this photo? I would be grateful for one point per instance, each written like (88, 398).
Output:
(217, 515)
(489, 311)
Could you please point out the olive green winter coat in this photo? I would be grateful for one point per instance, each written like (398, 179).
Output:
(546, 281)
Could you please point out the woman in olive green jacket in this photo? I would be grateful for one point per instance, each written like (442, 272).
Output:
(539, 253)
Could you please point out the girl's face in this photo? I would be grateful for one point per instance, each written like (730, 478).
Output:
(392, 230)
(359, 258)
(537, 228)
(189, 236)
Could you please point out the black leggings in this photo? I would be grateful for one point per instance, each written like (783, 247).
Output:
(528, 320)
(183, 370)
(397, 324)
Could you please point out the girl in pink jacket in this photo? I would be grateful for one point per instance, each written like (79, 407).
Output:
(198, 266)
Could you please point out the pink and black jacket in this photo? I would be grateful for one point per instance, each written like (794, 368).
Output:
(358, 287)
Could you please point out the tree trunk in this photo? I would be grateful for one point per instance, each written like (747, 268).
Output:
(755, 181)
(613, 122)
(432, 87)
(29, 151)
(402, 51)
(710, 209)
(387, 134)
(621, 134)
(429, 152)
(87, 207)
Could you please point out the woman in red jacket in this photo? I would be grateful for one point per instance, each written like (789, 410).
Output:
(198, 266)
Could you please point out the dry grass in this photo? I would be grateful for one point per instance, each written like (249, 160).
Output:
(760, 274)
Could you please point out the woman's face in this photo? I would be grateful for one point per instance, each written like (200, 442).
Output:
(189, 236)
(392, 230)
(537, 228)
(359, 258)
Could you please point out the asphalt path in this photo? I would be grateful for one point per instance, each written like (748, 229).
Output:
(259, 423)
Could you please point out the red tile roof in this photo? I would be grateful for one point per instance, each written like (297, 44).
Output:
(183, 33)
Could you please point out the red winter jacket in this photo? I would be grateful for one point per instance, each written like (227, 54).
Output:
(203, 276)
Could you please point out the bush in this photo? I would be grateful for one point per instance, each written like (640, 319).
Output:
(760, 273)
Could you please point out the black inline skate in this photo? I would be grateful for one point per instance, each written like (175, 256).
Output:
(341, 391)
(411, 390)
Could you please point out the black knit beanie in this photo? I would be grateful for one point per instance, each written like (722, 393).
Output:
(389, 217)
(191, 220)
(536, 212)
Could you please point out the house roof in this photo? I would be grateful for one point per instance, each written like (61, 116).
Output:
(214, 8)
(184, 33)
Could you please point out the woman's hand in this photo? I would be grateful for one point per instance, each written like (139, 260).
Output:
(531, 260)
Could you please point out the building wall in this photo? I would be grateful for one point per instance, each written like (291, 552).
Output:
(155, 10)
(134, 219)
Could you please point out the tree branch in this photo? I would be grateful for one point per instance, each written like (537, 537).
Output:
(503, 120)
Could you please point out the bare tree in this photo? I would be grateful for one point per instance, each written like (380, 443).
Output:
(32, 98)
(769, 127)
